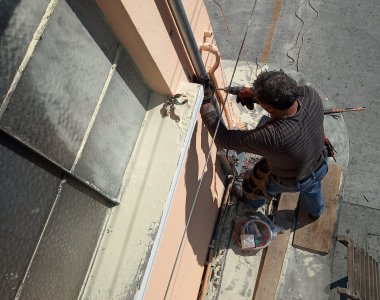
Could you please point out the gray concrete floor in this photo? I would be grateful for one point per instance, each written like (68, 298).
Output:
(336, 45)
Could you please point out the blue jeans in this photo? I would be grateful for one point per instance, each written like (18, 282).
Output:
(310, 190)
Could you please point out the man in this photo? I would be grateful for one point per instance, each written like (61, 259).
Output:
(291, 142)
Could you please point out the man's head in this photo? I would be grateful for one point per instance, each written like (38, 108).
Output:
(276, 89)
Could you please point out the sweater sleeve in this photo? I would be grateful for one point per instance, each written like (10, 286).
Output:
(252, 141)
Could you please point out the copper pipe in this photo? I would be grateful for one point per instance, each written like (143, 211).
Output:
(214, 50)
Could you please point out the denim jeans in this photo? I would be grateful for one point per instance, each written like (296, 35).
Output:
(310, 190)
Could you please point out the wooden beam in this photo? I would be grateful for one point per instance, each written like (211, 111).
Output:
(266, 285)
(316, 236)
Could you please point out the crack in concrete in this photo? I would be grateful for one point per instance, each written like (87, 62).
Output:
(299, 33)
(360, 205)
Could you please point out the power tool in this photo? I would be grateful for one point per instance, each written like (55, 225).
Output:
(244, 95)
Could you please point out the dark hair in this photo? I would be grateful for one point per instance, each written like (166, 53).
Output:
(276, 89)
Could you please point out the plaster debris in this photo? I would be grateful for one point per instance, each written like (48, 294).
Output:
(246, 74)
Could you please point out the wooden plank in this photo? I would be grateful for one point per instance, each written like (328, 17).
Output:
(362, 274)
(266, 285)
(357, 283)
(350, 265)
(373, 278)
(377, 281)
(316, 236)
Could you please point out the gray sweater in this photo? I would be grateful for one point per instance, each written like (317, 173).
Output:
(292, 146)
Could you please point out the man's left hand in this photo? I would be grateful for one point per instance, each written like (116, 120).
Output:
(209, 90)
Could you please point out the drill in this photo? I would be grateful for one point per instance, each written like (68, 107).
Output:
(244, 95)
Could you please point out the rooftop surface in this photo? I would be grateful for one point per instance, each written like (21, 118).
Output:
(335, 46)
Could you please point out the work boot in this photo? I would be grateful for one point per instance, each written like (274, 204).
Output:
(251, 199)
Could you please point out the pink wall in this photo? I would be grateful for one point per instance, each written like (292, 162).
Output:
(147, 30)
(187, 276)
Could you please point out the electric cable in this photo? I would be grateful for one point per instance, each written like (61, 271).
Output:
(232, 34)
(306, 30)
(209, 154)
(303, 35)
(299, 33)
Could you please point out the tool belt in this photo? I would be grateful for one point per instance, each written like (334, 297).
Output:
(255, 182)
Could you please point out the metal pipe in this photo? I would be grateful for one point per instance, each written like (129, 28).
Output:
(187, 36)
(212, 49)
(215, 241)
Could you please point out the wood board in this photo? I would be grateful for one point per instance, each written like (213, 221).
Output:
(266, 285)
(316, 236)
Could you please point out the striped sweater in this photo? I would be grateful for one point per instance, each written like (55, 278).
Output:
(292, 146)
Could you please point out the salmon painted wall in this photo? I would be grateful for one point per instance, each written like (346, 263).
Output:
(182, 281)
(147, 30)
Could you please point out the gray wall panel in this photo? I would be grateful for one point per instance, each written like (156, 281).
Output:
(57, 94)
(19, 19)
(114, 134)
(65, 252)
(27, 191)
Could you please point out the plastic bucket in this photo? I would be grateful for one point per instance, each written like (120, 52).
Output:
(245, 227)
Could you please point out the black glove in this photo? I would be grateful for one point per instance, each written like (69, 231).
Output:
(209, 90)
(247, 102)
(208, 87)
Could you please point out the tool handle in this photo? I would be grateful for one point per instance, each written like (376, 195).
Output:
(336, 110)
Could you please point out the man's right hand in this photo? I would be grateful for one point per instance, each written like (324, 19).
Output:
(247, 102)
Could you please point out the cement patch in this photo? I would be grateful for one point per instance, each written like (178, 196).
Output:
(304, 275)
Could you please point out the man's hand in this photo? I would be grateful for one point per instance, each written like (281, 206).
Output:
(247, 102)
(208, 88)
(245, 95)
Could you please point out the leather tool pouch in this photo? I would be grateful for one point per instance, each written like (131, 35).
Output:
(255, 182)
